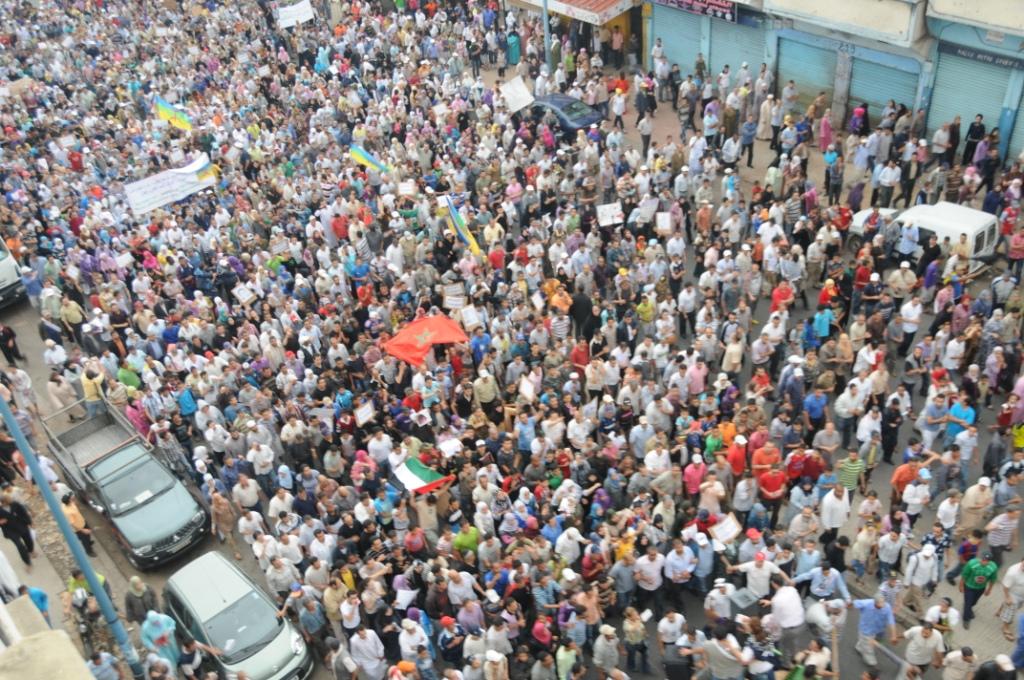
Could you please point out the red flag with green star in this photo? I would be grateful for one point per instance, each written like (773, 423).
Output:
(412, 343)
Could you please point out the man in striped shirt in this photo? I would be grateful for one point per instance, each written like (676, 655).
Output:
(850, 473)
(1002, 534)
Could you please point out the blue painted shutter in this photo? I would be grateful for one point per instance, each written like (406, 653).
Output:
(680, 35)
(964, 87)
(877, 84)
(813, 69)
(734, 44)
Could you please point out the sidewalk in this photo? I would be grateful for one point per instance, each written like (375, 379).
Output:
(42, 575)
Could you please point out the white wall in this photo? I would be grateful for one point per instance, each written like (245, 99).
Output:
(885, 20)
(998, 15)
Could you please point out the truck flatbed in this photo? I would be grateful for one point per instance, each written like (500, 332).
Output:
(89, 440)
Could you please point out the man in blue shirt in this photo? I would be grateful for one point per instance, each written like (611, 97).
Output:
(876, 618)
(961, 416)
(907, 245)
(103, 666)
(815, 405)
(480, 344)
(825, 582)
(40, 599)
(747, 134)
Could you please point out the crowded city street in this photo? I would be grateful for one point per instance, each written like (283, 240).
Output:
(423, 341)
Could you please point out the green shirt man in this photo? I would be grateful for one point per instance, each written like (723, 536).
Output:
(979, 574)
(850, 472)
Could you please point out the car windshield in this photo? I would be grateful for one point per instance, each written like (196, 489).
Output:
(135, 486)
(576, 110)
(244, 628)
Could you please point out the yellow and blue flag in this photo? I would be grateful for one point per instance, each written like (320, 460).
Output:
(174, 116)
(458, 226)
(364, 157)
(207, 172)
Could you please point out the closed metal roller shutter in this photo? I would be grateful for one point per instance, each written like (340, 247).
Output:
(680, 35)
(964, 87)
(734, 44)
(813, 69)
(877, 84)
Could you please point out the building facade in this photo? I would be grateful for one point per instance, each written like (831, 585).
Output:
(949, 57)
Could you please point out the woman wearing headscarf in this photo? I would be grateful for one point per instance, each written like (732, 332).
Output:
(285, 478)
(508, 528)
(135, 412)
(157, 634)
(139, 600)
(995, 364)
(969, 383)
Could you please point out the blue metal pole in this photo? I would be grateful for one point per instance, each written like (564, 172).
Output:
(547, 37)
(77, 551)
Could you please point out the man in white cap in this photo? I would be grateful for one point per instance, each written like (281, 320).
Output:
(410, 639)
(495, 664)
(606, 651)
(54, 355)
(639, 436)
(486, 395)
(922, 569)
(718, 602)
(902, 282)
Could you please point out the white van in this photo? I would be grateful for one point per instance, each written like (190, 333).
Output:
(941, 220)
(12, 290)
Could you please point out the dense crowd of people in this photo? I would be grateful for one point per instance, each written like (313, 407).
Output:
(643, 425)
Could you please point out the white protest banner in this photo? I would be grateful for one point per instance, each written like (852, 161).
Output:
(169, 186)
(454, 302)
(244, 295)
(404, 598)
(407, 188)
(470, 318)
(610, 213)
(648, 207)
(293, 15)
(450, 447)
(517, 95)
(663, 220)
(365, 413)
(726, 529)
(527, 390)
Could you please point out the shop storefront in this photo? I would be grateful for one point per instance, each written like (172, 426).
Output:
(724, 32)
(583, 19)
(810, 63)
(969, 81)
